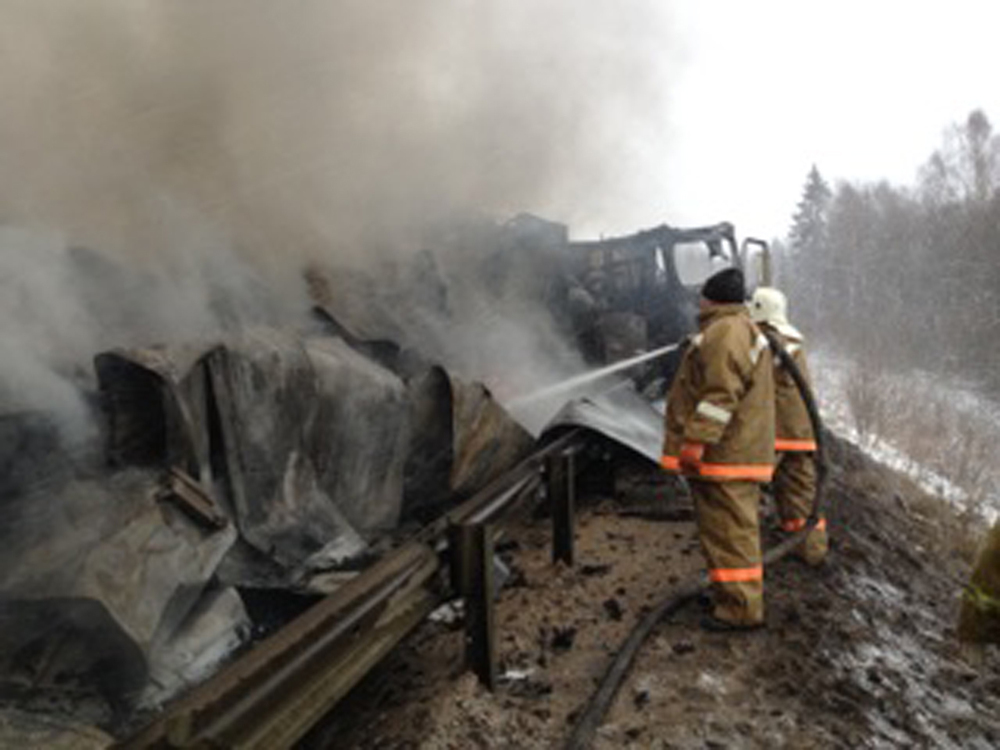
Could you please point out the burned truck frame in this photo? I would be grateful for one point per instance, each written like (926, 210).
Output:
(643, 299)
(622, 295)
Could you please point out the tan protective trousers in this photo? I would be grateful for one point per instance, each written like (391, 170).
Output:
(794, 494)
(728, 528)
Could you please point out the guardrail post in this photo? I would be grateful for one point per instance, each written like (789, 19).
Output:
(472, 576)
(560, 474)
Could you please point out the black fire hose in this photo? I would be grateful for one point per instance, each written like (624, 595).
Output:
(593, 715)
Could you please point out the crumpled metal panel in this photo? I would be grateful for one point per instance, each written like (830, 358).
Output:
(304, 441)
(356, 300)
(360, 434)
(107, 567)
(620, 415)
(155, 405)
(427, 483)
(462, 440)
(212, 631)
(487, 441)
(301, 441)
(314, 436)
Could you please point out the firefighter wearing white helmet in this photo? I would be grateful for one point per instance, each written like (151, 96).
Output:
(795, 476)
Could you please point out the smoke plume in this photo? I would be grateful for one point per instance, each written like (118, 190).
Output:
(214, 148)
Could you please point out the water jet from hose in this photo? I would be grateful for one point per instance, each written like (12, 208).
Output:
(577, 381)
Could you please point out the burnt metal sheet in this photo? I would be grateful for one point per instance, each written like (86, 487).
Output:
(620, 415)
(461, 440)
(384, 351)
(427, 478)
(300, 441)
(277, 691)
(355, 302)
(487, 440)
(103, 568)
(155, 407)
(215, 628)
(313, 437)
(360, 434)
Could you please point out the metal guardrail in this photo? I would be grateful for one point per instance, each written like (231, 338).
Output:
(270, 697)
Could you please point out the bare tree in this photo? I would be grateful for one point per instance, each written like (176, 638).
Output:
(966, 168)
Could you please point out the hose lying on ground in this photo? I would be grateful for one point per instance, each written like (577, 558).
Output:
(588, 721)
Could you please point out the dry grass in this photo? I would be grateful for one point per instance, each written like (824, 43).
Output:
(927, 424)
(872, 398)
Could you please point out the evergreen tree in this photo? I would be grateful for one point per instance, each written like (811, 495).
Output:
(808, 232)
(807, 248)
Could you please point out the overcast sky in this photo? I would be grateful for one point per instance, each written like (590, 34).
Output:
(761, 90)
(325, 118)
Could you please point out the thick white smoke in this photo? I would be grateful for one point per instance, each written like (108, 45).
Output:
(214, 148)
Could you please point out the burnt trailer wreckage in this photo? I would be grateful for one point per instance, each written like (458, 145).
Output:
(290, 504)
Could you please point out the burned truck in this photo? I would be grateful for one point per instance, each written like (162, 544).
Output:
(639, 291)
(623, 295)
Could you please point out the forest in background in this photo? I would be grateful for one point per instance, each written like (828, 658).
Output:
(901, 283)
(905, 276)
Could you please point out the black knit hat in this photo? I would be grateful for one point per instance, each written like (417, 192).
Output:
(725, 286)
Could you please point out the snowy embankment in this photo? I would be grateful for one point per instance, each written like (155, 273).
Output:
(936, 432)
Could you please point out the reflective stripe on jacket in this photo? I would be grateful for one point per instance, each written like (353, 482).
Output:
(722, 397)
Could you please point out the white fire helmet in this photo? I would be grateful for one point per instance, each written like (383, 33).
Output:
(769, 305)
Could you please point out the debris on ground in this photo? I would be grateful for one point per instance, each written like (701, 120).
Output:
(858, 653)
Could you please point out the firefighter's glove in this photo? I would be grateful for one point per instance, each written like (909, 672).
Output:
(690, 457)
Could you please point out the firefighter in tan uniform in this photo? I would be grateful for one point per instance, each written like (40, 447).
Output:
(720, 436)
(795, 443)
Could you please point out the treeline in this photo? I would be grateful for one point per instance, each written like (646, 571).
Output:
(906, 276)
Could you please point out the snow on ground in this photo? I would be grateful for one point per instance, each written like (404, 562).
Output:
(831, 376)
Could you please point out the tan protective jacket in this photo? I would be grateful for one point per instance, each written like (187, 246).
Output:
(794, 431)
(723, 398)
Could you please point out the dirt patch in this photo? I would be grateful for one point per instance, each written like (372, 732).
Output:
(859, 653)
